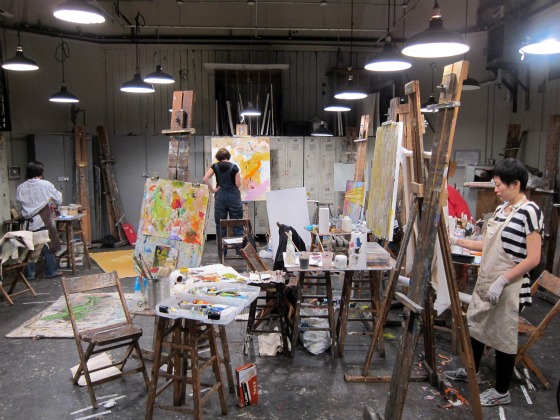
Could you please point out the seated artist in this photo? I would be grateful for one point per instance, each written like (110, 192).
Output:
(511, 247)
(34, 198)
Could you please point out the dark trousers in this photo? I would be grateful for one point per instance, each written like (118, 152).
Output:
(227, 203)
(504, 365)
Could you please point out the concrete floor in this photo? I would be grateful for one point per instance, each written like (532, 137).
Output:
(35, 379)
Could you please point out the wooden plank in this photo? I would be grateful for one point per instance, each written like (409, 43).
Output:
(513, 140)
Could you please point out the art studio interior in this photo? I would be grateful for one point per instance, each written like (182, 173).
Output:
(269, 209)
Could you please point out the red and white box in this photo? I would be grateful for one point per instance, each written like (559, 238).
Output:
(247, 387)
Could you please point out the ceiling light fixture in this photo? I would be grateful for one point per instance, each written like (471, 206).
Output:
(159, 77)
(136, 84)
(337, 107)
(61, 53)
(351, 92)
(425, 107)
(544, 47)
(436, 41)
(322, 131)
(390, 59)
(78, 11)
(250, 2)
(250, 111)
(323, 3)
(20, 62)
(470, 83)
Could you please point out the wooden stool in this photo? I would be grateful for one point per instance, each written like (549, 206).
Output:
(359, 290)
(183, 339)
(66, 227)
(323, 279)
(272, 309)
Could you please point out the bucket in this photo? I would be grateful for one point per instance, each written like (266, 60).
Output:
(158, 290)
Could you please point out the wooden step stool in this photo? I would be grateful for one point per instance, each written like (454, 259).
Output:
(183, 339)
(358, 290)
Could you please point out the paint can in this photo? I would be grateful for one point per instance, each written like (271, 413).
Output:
(158, 290)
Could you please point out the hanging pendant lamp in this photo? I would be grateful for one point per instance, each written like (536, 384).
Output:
(543, 47)
(390, 59)
(425, 107)
(136, 84)
(20, 62)
(470, 84)
(322, 131)
(62, 52)
(436, 41)
(337, 107)
(78, 11)
(159, 77)
(350, 91)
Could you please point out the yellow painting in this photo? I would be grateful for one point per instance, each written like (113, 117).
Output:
(252, 156)
(174, 210)
(382, 198)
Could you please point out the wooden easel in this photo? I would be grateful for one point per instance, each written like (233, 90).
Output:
(81, 155)
(419, 293)
(113, 202)
(180, 133)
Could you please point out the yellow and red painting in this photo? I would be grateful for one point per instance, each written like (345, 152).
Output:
(174, 210)
(354, 200)
(252, 156)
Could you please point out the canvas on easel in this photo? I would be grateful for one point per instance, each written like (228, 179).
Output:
(252, 156)
(384, 180)
(173, 216)
(354, 200)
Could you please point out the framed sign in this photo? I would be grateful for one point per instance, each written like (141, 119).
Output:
(466, 157)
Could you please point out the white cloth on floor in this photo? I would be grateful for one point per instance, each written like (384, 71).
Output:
(269, 344)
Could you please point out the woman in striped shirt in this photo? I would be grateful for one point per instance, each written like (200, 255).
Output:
(511, 247)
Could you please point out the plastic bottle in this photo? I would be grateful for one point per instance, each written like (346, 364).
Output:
(146, 291)
(138, 299)
(290, 251)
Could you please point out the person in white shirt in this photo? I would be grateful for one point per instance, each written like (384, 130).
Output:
(34, 197)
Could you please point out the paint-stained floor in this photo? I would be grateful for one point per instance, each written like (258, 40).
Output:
(35, 378)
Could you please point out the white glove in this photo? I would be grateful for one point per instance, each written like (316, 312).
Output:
(453, 239)
(496, 289)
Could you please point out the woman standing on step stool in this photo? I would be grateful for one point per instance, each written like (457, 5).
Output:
(511, 247)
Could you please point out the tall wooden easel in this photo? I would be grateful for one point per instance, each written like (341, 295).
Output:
(82, 196)
(180, 133)
(418, 302)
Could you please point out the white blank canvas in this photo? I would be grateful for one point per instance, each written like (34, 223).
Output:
(288, 207)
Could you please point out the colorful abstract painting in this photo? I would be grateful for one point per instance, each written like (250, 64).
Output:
(382, 198)
(174, 210)
(354, 200)
(252, 156)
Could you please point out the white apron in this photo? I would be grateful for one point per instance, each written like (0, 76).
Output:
(495, 325)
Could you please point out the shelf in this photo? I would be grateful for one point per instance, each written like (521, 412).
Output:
(180, 131)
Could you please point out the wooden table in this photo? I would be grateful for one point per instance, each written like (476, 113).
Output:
(337, 328)
(71, 226)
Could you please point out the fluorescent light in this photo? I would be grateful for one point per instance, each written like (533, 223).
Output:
(251, 112)
(159, 77)
(388, 60)
(436, 41)
(78, 11)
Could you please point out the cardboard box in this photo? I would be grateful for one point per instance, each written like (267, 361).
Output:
(247, 388)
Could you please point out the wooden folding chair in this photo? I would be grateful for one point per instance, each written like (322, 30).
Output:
(273, 307)
(551, 284)
(231, 241)
(118, 335)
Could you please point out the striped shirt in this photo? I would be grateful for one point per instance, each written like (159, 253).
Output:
(528, 218)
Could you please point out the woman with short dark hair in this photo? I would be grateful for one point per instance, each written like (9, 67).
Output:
(511, 247)
(227, 194)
